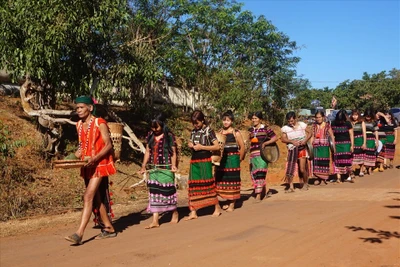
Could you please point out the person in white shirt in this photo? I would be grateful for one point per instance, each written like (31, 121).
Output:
(296, 134)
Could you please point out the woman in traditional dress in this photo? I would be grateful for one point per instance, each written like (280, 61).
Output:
(321, 131)
(381, 122)
(161, 159)
(296, 135)
(344, 145)
(390, 129)
(95, 147)
(360, 141)
(227, 174)
(260, 136)
(202, 191)
(372, 140)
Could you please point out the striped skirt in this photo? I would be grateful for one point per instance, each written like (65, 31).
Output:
(227, 176)
(321, 161)
(370, 156)
(258, 171)
(389, 146)
(358, 153)
(162, 191)
(202, 191)
(343, 157)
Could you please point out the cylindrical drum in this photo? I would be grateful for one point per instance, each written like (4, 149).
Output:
(217, 154)
(116, 130)
(310, 150)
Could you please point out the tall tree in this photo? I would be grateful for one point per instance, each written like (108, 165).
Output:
(60, 42)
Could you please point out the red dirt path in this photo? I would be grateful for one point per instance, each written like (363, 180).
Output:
(334, 225)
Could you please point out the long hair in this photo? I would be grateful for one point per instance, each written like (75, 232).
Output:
(356, 111)
(392, 120)
(369, 113)
(341, 117)
(159, 120)
(381, 120)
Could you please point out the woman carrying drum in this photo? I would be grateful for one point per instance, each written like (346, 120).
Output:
(321, 132)
(381, 122)
(390, 129)
(260, 136)
(202, 191)
(360, 141)
(296, 135)
(160, 157)
(227, 174)
(371, 129)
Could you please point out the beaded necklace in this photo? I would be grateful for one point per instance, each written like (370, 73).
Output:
(255, 131)
(83, 151)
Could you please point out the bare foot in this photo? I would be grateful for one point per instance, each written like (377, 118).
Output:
(225, 207)
(152, 225)
(230, 209)
(192, 216)
(216, 214)
(175, 217)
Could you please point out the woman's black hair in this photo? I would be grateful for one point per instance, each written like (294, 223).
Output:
(369, 112)
(381, 119)
(198, 115)
(290, 115)
(392, 120)
(258, 114)
(159, 120)
(341, 117)
(228, 114)
(358, 112)
(320, 112)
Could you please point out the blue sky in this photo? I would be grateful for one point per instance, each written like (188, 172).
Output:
(340, 40)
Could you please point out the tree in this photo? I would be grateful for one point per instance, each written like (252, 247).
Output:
(235, 60)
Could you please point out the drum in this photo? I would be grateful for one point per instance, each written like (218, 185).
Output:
(331, 145)
(380, 146)
(270, 153)
(217, 154)
(68, 164)
(310, 150)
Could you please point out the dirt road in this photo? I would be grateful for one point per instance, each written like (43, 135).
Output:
(334, 225)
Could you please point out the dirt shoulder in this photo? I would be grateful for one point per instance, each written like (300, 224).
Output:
(334, 225)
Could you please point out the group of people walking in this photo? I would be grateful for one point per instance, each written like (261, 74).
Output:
(354, 142)
(364, 143)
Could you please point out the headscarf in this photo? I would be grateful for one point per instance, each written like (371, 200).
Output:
(86, 100)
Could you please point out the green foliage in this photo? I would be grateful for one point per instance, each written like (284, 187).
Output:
(378, 91)
(60, 41)
(232, 58)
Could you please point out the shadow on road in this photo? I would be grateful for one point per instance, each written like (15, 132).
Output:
(125, 222)
(393, 206)
(380, 234)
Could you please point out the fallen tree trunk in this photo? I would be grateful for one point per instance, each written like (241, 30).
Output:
(49, 118)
